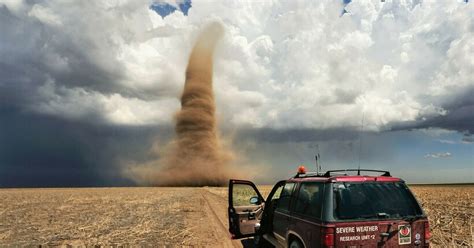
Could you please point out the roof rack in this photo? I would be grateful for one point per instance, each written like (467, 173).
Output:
(385, 173)
(307, 174)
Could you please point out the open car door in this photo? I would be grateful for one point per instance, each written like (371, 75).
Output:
(245, 208)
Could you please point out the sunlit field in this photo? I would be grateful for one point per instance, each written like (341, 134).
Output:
(450, 210)
(106, 216)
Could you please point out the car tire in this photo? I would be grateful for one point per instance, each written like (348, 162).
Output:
(296, 244)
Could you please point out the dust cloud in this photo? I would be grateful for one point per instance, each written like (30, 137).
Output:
(197, 155)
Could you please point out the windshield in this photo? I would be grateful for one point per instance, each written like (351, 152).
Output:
(374, 200)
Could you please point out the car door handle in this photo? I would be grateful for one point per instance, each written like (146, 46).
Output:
(251, 216)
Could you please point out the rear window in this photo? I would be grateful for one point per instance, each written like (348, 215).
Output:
(374, 200)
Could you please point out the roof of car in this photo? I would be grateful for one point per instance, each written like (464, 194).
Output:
(344, 176)
(346, 179)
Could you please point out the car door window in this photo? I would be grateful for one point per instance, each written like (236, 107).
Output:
(285, 197)
(309, 199)
(242, 194)
(277, 193)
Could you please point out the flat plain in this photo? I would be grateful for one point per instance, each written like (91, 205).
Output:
(187, 217)
(450, 210)
(109, 216)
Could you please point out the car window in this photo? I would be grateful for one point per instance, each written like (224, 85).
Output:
(277, 193)
(241, 194)
(374, 200)
(309, 199)
(285, 197)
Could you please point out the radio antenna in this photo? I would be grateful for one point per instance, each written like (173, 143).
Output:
(317, 157)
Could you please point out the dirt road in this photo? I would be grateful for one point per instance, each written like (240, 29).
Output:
(114, 216)
(218, 207)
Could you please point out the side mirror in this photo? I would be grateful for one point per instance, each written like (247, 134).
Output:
(254, 200)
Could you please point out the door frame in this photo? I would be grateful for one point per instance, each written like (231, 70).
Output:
(234, 226)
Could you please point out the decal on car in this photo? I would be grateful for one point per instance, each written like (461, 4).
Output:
(404, 234)
(362, 230)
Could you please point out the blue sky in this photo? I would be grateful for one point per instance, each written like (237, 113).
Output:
(405, 153)
(85, 97)
(163, 9)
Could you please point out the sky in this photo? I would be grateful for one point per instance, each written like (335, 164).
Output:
(88, 88)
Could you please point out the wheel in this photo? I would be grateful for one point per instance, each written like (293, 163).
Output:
(296, 244)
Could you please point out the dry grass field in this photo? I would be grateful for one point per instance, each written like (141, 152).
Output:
(450, 210)
(175, 216)
(107, 216)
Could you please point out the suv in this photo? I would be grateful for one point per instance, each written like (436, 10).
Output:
(334, 209)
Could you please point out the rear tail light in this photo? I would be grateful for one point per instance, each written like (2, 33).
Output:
(427, 232)
(327, 234)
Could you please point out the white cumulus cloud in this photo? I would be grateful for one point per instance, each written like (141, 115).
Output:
(281, 65)
(438, 155)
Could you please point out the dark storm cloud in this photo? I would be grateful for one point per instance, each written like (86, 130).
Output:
(300, 135)
(35, 51)
(45, 151)
(459, 116)
(468, 139)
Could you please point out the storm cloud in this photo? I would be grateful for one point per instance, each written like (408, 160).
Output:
(45, 151)
(87, 86)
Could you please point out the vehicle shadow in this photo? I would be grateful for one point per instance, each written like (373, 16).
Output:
(248, 243)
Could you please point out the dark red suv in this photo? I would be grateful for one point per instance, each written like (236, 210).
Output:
(334, 209)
